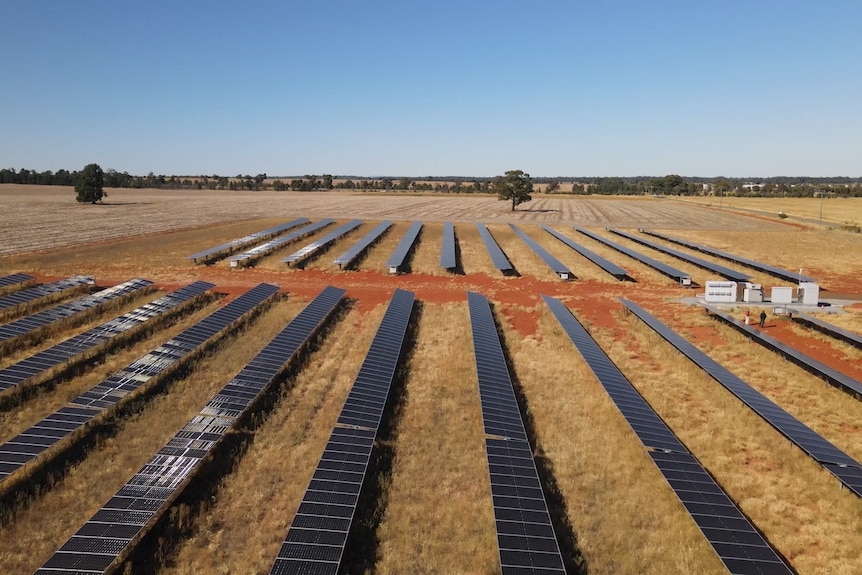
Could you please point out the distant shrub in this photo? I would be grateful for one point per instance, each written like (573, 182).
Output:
(782, 215)
(850, 227)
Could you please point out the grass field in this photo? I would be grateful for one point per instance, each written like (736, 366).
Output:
(435, 504)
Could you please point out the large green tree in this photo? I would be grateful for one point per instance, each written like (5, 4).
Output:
(515, 186)
(89, 185)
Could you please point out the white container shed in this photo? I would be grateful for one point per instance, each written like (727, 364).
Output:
(782, 295)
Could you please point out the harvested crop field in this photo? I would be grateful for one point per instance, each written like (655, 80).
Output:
(427, 505)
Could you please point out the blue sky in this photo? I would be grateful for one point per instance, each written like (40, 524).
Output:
(555, 88)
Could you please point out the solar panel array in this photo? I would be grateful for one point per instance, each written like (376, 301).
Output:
(662, 267)
(62, 311)
(844, 335)
(833, 376)
(603, 263)
(396, 260)
(347, 258)
(525, 535)
(317, 536)
(725, 272)
(218, 251)
(305, 252)
(777, 272)
(447, 251)
(817, 447)
(550, 260)
(258, 252)
(14, 375)
(13, 279)
(36, 292)
(501, 262)
(150, 492)
(738, 543)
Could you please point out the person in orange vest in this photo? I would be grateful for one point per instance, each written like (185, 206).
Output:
(747, 317)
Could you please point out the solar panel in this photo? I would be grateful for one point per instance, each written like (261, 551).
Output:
(248, 257)
(62, 311)
(501, 262)
(152, 490)
(525, 535)
(603, 263)
(829, 329)
(217, 252)
(777, 272)
(448, 259)
(797, 432)
(662, 267)
(13, 279)
(297, 257)
(736, 540)
(700, 262)
(318, 534)
(347, 258)
(821, 370)
(550, 260)
(396, 260)
(36, 292)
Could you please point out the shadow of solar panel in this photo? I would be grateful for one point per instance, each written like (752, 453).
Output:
(725, 272)
(396, 260)
(662, 267)
(808, 363)
(556, 265)
(215, 252)
(499, 259)
(307, 251)
(316, 539)
(777, 272)
(352, 253)
(829, 329)
(448, 259)
(39, 291)
(149, 492)
(714, 512)
(607, 265)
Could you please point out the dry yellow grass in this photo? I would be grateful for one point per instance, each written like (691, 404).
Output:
(835, 210)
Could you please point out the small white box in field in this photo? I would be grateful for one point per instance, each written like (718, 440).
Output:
(720, 292)
(810, 293)
(782, 295)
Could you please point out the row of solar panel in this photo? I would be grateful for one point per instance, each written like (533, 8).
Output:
(526, 539)
(737, 542)
(151, 490)
(14, 279)
(252, 255)
(31, 294)
(63, 311)
(829, 329)
(214, 253)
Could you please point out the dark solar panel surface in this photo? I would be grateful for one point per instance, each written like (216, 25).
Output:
(13, 279)
(20, 450)
(603, 263)
(501, 262)
(17, 373)
(552, 262)
(844, 335)
(317, 536)
(62, 311)
(525, 535)
(797, 432)
(396, 260)
(347, 258)
(306, 251)
(725, 272)
(777, 272)
(662, 267)
(808, 363)
(36, 292)
(255, 253)
(447, 251)
(150, 491)
(738, 543)
(246, 240)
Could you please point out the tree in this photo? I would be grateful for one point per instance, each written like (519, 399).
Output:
(90, 183)
(515, 186)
